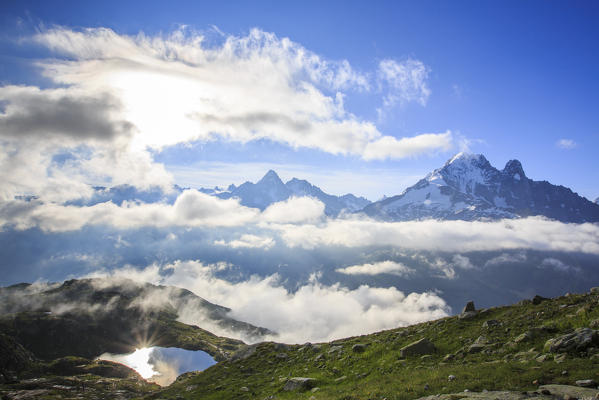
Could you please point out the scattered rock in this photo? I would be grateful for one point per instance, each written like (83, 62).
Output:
(476, 348)
(244, 389)
(586, 383)
(451, 378)
(341, 378)
(358, 348)
(560, 358)
(335, 349)
(467, 315)
(577, 341)
(543, 358)
(418, 348)
(492, 323)
(449, 357)
(299, 384)
(574, 392)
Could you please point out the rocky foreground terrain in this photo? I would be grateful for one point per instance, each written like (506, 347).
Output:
(536, 349)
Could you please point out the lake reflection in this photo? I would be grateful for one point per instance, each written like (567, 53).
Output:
(162, 364)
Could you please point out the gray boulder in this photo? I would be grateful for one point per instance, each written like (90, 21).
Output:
(418, 348)
(571, 391)
(469, 307)
(299, 384)
(577, 341)
(358, 348)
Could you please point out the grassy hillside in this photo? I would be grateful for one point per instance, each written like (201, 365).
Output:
(505, 353)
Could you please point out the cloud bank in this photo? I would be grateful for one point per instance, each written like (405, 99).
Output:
(314, 312)
(299, 222)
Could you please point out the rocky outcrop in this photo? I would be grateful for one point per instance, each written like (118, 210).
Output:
(418, 348)
(545, 392)
(13, 358)
(299, 384)
(575, 342)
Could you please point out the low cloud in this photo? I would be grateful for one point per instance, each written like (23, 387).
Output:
(449, 236)
(314, 312)
(382, 267)
(294, 210)
(558, 265)
(300, 223)
(248, 241)
(506, 258)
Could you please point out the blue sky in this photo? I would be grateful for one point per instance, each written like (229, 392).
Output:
(512, 78)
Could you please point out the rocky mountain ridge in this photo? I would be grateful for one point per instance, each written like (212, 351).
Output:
(271, 189)
(469, 188)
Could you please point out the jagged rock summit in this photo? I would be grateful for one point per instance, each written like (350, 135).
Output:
(469, 188)
(271, 189)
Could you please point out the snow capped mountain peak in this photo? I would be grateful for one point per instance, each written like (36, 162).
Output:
(469, 187)
(468, 158)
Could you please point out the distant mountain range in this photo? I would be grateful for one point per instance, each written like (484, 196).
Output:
(270, 189)
(468, 187)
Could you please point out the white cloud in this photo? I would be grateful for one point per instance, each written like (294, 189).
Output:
(506, 258)
(299, 222)
(314, 312)
(294, 210)
(462, 262)
(191, 209)
(557, 265)
(248, 241)
(382, 267)
(566, 144)
(199, 90)
(121, 96)
(390, 147)
(451, 236)
(406, 79)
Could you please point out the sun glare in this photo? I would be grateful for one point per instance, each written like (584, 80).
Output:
(139, 361)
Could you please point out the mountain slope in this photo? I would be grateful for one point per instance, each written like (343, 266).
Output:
(521, 348)
(89, 317)
(501, 348)
(467, 187)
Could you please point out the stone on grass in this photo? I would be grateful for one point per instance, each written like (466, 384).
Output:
(587, 383)
(358, 348)
(577, 341)
(299, 384)
(418, 348)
